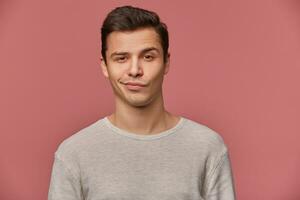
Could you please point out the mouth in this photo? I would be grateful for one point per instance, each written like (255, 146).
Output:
(134, 86)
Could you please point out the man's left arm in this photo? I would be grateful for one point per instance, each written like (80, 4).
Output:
(221, 182)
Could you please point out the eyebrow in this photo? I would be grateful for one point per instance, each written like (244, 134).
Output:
(143, 51)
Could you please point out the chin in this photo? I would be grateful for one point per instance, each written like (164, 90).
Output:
(140, 103)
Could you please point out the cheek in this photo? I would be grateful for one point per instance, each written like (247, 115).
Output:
(116, 74)
(156, 78)
(158, 72)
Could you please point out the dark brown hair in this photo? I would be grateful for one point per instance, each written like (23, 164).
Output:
(128, 18)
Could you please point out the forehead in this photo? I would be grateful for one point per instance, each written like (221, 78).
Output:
(133, 41)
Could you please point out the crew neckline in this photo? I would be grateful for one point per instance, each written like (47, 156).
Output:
(137, 136)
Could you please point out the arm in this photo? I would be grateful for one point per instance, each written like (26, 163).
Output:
(64, 185)
(221, 184)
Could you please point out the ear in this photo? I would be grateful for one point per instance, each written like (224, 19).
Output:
(167, 64)
(104, 67)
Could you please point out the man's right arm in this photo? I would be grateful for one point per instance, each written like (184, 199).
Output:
(64, 185)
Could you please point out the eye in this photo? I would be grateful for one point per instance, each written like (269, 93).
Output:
(121, 59)
(148, 57)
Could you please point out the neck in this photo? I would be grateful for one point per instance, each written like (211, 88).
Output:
(145, 120)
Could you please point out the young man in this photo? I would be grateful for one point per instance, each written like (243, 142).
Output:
(141, 151)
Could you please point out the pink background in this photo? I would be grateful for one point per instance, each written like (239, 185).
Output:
(234, 68)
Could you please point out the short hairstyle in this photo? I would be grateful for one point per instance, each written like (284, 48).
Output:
(129, 18)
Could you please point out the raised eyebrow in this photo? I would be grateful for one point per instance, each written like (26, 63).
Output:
(118, 54)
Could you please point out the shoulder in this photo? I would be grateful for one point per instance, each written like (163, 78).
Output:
(204, 137)
(78, 141)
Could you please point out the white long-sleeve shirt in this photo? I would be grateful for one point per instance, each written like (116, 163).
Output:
(103, 162)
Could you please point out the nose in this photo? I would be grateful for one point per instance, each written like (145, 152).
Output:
(135, 68)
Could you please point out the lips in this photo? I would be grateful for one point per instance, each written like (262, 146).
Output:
(135, 84)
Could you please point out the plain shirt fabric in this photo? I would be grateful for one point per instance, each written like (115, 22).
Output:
(103, 162)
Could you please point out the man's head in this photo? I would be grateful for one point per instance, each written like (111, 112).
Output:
(128, 18)
(135, 51)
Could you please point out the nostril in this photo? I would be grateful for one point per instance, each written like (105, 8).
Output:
(135, 72)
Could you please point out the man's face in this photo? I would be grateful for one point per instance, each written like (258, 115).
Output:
(136, 57)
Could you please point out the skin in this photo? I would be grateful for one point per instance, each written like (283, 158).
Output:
(137, 56)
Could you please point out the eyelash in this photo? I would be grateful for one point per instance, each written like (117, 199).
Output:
(149, 56)
(120, 59)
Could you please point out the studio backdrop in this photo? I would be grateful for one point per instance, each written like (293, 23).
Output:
(235, 67)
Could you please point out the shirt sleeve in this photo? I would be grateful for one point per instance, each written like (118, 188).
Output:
(64, 185)
(221, 183)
